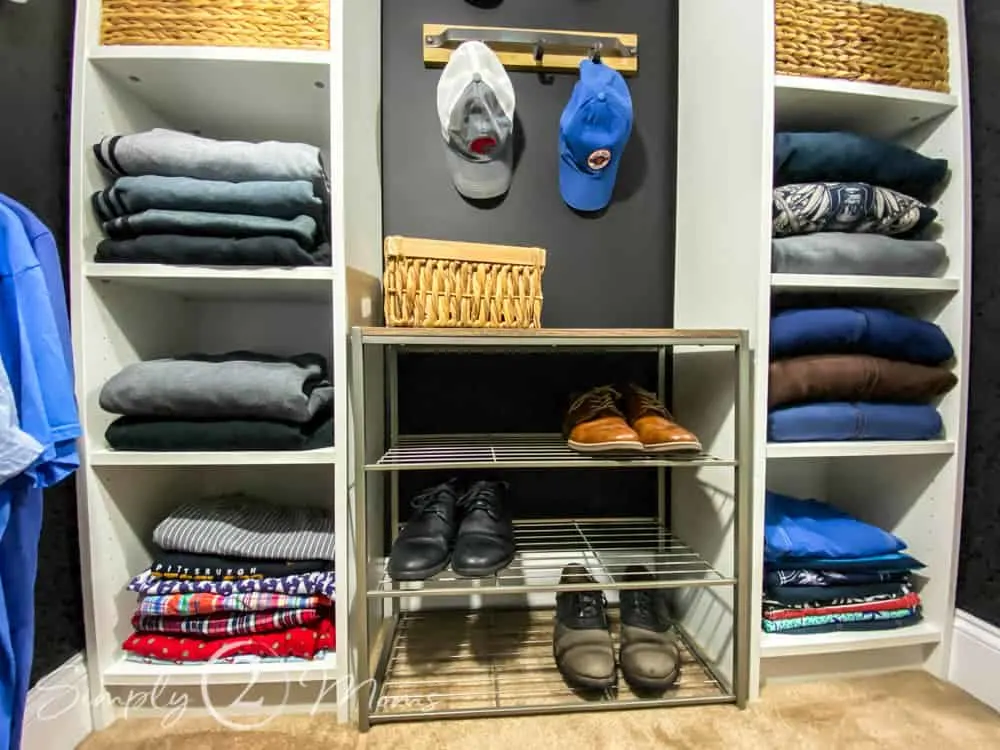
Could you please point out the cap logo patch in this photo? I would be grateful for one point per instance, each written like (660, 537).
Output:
(599, 159)
(483, 145)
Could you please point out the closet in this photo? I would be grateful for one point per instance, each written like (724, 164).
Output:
(125, 313)
(729, 104)
(913, 489)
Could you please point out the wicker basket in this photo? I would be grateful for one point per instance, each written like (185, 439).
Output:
(438, 284)
(861, 42)
(275, 24)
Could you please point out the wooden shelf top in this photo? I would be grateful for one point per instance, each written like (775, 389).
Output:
(604, 338)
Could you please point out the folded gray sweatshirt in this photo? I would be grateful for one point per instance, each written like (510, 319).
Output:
(302, 229)
(852, 254)
(171, 153)
(282, 200)
(236, 385)
(248, 527)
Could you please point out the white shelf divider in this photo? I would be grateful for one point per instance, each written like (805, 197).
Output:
(125, 673)
(804, 103)
(860, 448)
(889, 285)
(105, 457)
(310, 283)
(774, 645)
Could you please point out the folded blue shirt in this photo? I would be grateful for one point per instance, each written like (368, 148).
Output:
(795, 528)
(849, 157)
(894, 561)
(858, 330)
(839, 420)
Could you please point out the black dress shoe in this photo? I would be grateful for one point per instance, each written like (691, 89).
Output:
(485, 541)
(424, 546)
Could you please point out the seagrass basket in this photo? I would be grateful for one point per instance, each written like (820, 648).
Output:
(439, 284)
(861, 42)
(275, 24)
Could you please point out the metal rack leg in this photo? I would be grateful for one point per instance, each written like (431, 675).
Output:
(744, 525)
(661, 473)
(361, 605)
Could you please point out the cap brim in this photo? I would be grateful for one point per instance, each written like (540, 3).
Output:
(482, 180)
(587, 191)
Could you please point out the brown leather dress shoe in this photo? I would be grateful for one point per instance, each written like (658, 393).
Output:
(656, 428)
(595, 424)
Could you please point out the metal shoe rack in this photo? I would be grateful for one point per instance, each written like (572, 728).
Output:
(426, 661)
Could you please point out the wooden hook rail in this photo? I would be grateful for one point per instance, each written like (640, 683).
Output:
(546, 50)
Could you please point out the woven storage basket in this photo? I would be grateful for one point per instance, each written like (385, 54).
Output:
(861, 42)
(438, 284)
(275, 24)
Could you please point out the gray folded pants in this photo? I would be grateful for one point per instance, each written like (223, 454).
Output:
(302, 229)
(237, 385)
(171, 153)
(282, 200)
(852, 254)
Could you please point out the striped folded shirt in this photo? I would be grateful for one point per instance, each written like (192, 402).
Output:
(207, 604)
(228, 624)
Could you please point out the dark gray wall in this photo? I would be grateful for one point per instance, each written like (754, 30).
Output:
(614, 269)
(36, 47)
(979, 571)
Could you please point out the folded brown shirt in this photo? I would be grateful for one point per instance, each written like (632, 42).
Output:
(854, 377)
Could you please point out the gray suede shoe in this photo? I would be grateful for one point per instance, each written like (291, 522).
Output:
(582, 644)
(649, 657)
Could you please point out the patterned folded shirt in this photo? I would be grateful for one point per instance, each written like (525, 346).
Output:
(809, 621)
(206, 604)
(305, 642)
(227, 624)
(320, 583)
(897, 602)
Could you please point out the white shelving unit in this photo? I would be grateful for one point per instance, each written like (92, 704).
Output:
(125, 313)
(723, 271)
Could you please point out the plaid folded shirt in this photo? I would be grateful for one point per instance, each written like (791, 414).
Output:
(206, 604)
(226, 624)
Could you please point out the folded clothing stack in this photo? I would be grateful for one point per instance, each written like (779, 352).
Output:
(852, 373)
(181, 199)
(849, 204)
(236, 579)
(825, 571)
(239, 401)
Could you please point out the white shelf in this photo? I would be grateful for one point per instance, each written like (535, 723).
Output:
(251, 94)
(828, 104)
(130, 673)
(773, 645)
(800, 282)
(106, 457)
(860, 448)
(195, 282)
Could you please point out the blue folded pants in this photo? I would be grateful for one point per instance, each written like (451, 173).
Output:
(858, 330)
(844, 421)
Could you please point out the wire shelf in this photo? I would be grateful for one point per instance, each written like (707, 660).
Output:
(605, 547)
(517, 451)
(457, 663)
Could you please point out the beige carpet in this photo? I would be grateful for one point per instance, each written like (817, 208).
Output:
(908, 710)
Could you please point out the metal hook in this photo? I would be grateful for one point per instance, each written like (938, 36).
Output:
(539, 53)
(595, 53)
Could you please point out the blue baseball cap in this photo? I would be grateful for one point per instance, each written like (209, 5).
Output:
(593, 131)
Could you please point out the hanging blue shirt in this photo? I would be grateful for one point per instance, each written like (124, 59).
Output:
(45, 249)
(34, 354)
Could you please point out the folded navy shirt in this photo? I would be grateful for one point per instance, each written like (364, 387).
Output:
(849, 157)
(858, 330)
(843, 421)
(795, 528)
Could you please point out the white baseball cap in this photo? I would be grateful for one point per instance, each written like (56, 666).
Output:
(475, 101)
